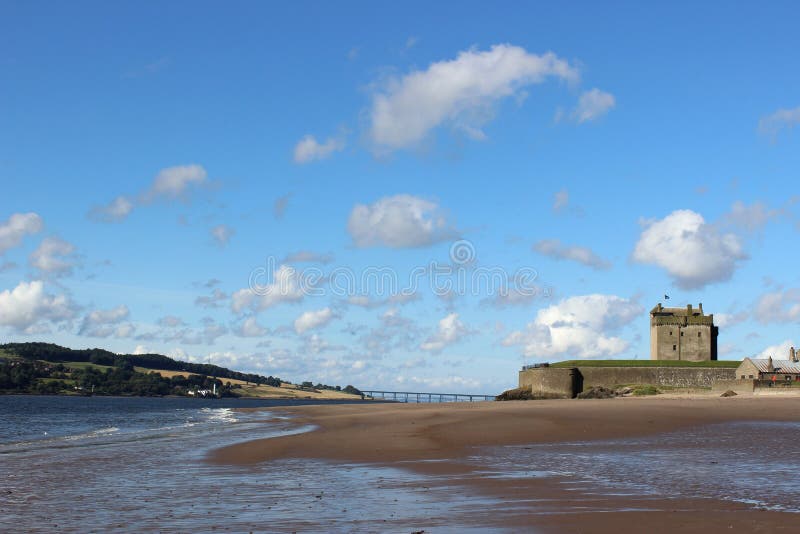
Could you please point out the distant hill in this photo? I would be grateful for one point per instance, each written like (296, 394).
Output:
(58, 354)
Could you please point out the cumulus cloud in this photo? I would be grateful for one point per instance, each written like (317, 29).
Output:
(450, 330)
(308, 149)
(460, 93)
(251, 328)
(781, 306)
(592, 105)
(556, 250)
(53, 256)
(191, 336)
(16, 227)
(577, 327)
(400, 221)
(169, 184)
(106, 323)
(23, 307)
(313, 319)
(117, 210)
(728, 320)
(221, 234)
(394, 332)
(783, 118)
(777, 352)
(174, 182)
(214, 300)
(284, 287)
(693, 252)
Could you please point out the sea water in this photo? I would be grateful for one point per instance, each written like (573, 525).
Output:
(99, 464)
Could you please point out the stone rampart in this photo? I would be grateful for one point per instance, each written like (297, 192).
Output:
(568, 382)
(679, 377)
(551, 382)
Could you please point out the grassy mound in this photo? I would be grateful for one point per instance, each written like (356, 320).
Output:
(725, 364)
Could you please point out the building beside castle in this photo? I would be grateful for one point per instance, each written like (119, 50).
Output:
(775, 370)
(682, 334)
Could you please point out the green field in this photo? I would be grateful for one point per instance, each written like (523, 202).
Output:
(727, 364)
(85, 365)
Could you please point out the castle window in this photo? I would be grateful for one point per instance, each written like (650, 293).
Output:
(681, 334)
(674, 347)
(698, 334)
(670, 332)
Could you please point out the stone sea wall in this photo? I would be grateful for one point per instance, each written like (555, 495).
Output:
(568, 382)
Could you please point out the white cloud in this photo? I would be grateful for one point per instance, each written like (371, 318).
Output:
(117, 210)
(592, 104)
(400, 221)
(19, 225)
(459, 93)
(141, 349)
(555, 249)
(313, 319)
(308, 149)
(728, 320)
(251, 328)
(778, 307)
(577, 327)
(173, 182)
(778, 352)
(28, 304)
(284, 287)
(222, 233)
(170, 183)
(53, 256)
(450, 330)
(693, 252)
(105, 323)
(775, 122)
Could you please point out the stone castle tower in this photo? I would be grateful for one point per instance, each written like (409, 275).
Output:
(682, 334)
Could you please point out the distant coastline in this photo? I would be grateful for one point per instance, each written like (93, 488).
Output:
(48, 369)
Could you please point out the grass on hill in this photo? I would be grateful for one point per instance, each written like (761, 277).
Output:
(725, 364)
(85, 365)
(251, 390)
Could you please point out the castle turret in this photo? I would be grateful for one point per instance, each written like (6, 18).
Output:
(792, 354)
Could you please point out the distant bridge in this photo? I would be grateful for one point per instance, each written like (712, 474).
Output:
(409, 396)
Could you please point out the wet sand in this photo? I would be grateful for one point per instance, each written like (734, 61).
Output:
(438, 439)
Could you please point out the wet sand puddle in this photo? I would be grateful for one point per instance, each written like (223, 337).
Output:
(735, 462)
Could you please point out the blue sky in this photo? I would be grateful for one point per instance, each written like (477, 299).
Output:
(173, 175)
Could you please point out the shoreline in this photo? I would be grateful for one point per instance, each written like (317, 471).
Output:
(436, 441)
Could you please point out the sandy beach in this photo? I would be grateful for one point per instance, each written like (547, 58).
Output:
(438, 440)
